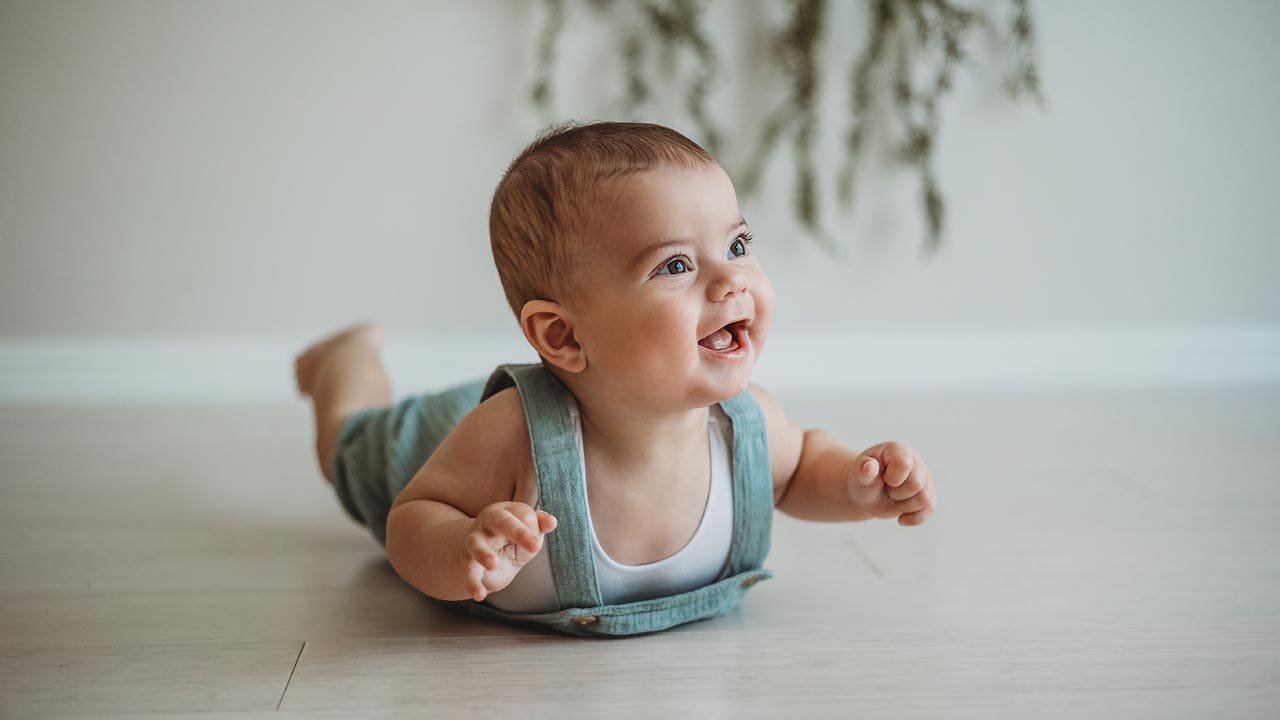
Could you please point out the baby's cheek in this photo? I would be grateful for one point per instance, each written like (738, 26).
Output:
(764, 316)
(763, 291)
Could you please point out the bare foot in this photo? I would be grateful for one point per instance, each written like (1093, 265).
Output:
(307, 365)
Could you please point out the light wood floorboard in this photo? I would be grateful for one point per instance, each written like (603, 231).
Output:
(1094, 554)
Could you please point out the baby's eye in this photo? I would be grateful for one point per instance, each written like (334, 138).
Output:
(674, 266)
(738, 248)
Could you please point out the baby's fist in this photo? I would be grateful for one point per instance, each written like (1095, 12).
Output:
(891, 480)
(492, 547)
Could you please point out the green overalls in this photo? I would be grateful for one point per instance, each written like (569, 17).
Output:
(379, 451)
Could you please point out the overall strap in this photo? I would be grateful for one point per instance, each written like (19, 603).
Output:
(560, 479)
(752, 485)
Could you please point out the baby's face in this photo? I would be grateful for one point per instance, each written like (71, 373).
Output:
(674, 306)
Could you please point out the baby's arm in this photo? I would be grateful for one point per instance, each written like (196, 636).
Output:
(453, 531)
(815, 477)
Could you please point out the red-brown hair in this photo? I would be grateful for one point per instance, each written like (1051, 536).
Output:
(539, 217)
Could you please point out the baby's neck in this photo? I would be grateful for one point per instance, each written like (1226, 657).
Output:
(642, 442)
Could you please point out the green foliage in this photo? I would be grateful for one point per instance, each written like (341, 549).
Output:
(795, 47)
(906, 40)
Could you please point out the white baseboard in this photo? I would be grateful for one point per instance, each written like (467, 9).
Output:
(83, 370)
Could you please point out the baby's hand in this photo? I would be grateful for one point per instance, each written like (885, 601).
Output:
(492, 548)
(890, 480)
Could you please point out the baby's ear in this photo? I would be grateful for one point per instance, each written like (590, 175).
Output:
(549, 329)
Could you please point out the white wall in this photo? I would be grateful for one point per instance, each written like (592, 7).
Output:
(253, 169)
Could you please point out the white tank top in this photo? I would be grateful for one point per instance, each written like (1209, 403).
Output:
(702, 560)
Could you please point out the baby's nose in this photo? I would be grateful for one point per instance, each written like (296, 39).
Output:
(727, 285)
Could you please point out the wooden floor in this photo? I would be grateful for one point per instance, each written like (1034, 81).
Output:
(1094, 554)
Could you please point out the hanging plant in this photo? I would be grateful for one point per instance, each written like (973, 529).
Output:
(905, 40)
(933, 35)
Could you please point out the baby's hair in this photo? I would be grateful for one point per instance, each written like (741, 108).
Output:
(540, 211)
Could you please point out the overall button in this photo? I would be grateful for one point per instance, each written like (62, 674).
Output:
(750, 581)
(585, 619)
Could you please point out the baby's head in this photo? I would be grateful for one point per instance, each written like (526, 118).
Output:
(541, 216)
(622, 250)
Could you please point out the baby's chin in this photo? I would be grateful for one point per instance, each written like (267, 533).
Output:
(726, 397)
(726, 389)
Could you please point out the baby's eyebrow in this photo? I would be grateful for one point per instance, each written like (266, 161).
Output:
(653, 250)
(678, 242)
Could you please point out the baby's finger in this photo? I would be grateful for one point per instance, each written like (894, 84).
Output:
(865, 484)
(480, 551)
(546, 521)
(915, 518)
(509, 526)
(868, 471)
(911, 504)
(898, 461)
(524, 514)
(917, 509)
(913, 485)
(475, 582)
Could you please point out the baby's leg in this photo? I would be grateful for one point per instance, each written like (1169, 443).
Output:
(342, 374)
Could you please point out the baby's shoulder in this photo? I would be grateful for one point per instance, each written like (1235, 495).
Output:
(486, 458)
(499, 414)
(497, 429)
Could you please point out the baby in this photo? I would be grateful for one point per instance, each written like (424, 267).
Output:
(638, 451)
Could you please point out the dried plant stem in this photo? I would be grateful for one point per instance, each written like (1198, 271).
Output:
(796, 47)
(1024, 80)
(904, 36)
(679, 23)
(911, 53)
(540, 94)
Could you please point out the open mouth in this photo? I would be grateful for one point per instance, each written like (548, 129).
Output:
(728, 339)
